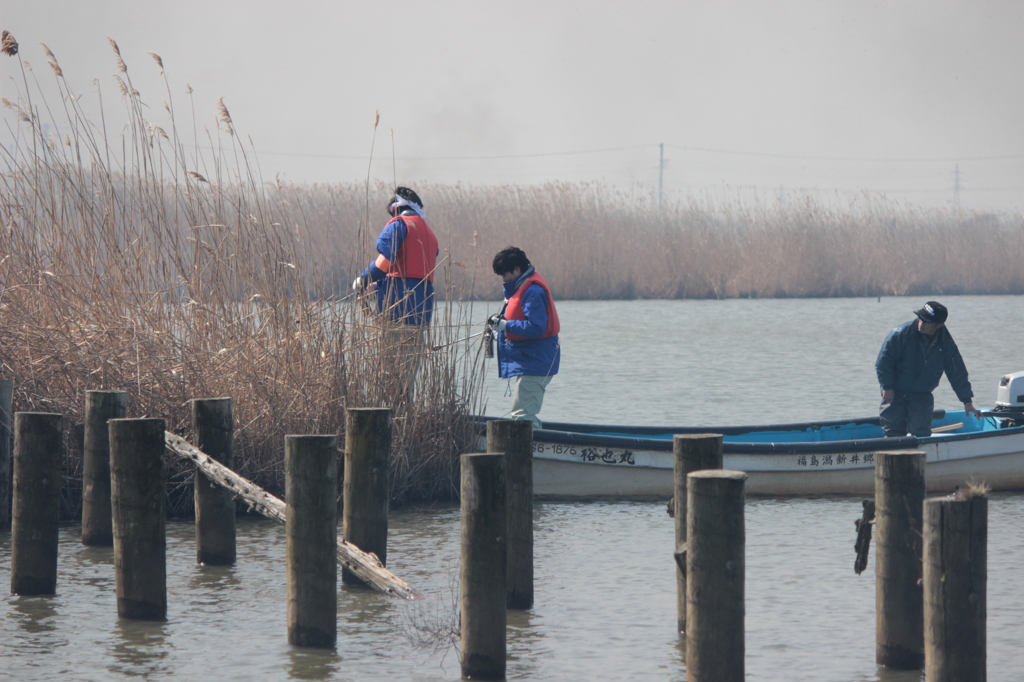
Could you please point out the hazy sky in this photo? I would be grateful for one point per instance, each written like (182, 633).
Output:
(754, 97)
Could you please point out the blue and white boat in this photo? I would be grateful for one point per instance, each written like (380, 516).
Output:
(815, 458)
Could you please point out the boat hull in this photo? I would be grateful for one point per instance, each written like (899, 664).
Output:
(566, 470)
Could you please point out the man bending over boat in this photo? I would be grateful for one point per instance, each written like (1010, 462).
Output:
(527, 326)
(909, 366)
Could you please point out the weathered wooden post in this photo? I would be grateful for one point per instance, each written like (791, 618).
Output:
(100, 407)
(366, 492)
(38, 451)
(955, 584)
(690, 452)
(483, 566)
(899, 495)
(6, 401)
(311, 526)
(214, 429)
(137, 493)
(514, 438)
(696, 452)
(716, 569)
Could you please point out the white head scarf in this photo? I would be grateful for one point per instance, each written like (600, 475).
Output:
(402, 202)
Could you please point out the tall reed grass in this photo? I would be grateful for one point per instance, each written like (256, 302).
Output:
(594, 242)
(141, 261)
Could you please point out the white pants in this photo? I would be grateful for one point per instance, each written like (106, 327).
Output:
(527, 397)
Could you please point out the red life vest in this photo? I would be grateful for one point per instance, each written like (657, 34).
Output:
(417, 255)
(514, 309)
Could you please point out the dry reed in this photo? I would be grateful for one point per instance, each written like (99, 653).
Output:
(973, 489)
(592, 242)
(138, 262)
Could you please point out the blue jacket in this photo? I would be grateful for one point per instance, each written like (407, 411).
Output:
(535, 356)
(906, 364)
(406, 299)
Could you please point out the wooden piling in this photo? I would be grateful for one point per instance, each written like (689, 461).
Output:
(311, 484)
(100, 407)
(38, 451)
(483, 566)
(214, 429)
(899, 495)
(137, 492)
(514, 438)
(716, 569)
(955, 586)
(6, 400)
(690, 452)
(366, 494)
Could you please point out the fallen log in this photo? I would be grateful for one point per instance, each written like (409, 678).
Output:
(365, 565)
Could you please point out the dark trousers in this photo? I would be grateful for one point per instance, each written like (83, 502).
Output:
(907, 413)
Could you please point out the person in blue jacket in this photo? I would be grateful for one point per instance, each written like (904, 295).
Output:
(403, 277)
(403, 273)
(528, 348)
(909, 365)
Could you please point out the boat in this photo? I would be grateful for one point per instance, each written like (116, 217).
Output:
(815, 458)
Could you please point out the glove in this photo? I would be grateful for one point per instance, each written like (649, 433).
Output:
(359, 285)
(496, 323)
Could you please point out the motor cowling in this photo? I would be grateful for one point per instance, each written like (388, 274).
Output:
(1010, 394)
(1010, 399)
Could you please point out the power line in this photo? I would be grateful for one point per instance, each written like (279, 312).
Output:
(598, 168)
(710, 150)
(847, 158)
(465, 158)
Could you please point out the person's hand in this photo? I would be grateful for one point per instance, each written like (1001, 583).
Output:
(359, 285)
(496, 323)
(969, 408)
(888, 395)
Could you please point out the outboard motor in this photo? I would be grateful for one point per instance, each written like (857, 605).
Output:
(1010, 400)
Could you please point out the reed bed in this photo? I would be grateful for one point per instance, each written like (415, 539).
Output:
(594, 242)
(142, 262)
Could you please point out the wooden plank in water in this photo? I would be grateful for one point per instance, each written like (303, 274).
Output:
(365, 565)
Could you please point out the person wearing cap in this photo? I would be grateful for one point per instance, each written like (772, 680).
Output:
(910, 363)
(528, 348)
(403, 276)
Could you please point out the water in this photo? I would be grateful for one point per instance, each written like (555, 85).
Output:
(605, 585)
(753, 361)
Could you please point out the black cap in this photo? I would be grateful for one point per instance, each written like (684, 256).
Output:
(408, 195)
(933, 311)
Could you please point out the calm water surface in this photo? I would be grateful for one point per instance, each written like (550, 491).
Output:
(752, 361)
(605, 586)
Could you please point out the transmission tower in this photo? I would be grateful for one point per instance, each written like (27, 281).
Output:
(661, 173)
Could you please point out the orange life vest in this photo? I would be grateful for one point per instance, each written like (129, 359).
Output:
(514, 309)
(417, 255)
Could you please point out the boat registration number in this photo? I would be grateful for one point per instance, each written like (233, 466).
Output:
(587, 454)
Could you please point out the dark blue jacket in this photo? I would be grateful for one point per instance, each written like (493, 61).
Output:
(534, 356)
(905, 364)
